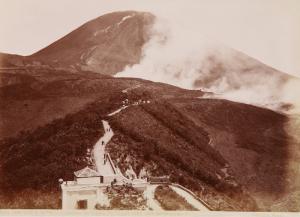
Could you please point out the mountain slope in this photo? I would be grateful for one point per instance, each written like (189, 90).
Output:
(11, 60)
(253, 140)
(106, 44)
(117, 40)
(55, 99)
(34, 96)
(165, 130)
(67, 140)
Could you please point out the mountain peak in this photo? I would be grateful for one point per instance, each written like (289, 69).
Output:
(109, 42)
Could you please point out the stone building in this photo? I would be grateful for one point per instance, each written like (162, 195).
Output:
(87, 188)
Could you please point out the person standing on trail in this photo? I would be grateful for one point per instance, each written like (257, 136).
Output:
(102, 142)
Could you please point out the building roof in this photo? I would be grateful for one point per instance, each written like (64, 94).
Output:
(86, 172)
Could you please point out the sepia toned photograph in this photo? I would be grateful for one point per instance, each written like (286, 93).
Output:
(139, 107)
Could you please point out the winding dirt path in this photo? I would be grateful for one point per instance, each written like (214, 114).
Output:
(99, 150)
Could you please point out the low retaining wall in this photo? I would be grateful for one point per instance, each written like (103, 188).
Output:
(193, 194)
(111, 163)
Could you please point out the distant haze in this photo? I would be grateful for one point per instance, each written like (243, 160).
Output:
(267, 30)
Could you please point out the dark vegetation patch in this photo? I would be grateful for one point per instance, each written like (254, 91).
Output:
(36, 160)
(169, 140)
(253, 140)
(31, 199)
(161, 139)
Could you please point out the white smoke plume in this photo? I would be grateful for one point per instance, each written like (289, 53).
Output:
(169, 56)
(186, 58)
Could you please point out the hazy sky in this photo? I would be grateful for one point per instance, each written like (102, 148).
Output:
(268, 30)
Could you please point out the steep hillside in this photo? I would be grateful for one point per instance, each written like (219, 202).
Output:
(228, 153)
(164, 129)
(106, 44)
(253, 140)
(155, 138)
(35, 96)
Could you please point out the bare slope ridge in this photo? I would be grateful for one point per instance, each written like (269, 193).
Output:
(106, 44)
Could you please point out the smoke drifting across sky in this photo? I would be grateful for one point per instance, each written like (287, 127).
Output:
(188, 59)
